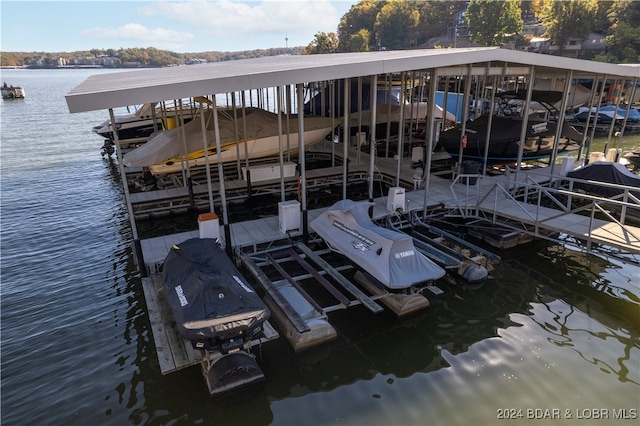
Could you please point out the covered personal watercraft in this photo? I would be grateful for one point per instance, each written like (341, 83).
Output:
(388, 256)
(213, 304)
(594, 175)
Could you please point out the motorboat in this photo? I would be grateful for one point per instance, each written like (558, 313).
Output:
(594, 177)
(390, 107)
(506, 128)
(633, 158)
(386, 255)
(632, 116)
(244, 133)
(12, 92)
(134, 128)
(213, 304)
(504, 139)
(604, 115)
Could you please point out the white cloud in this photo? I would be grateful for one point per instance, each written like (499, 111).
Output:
(227, 18)
(136, 35)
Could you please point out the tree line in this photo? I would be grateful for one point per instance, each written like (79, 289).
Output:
(398, 24)
(142, 57)
(404, 24)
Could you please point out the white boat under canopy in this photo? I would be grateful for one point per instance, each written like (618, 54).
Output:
(253, 133)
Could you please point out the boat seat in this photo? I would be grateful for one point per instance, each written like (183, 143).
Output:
(531, 143)
(546, 143)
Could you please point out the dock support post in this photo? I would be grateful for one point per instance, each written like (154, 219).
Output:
(137, 249)
(305, 226)
(227, 240)
(192, 202)
(248, 177)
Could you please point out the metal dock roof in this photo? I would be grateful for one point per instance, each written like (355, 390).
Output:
(121, 89)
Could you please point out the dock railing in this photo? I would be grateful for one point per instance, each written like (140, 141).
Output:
(553, 206)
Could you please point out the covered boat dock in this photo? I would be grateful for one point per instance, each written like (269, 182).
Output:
(523, 201)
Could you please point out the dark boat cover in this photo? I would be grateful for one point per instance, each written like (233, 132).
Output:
(209, 298)
(388, 256)
(548, 97)
(504, 139)
(604, 171)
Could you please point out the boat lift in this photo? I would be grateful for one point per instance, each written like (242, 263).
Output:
(302, 288)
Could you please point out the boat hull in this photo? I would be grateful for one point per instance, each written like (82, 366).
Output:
(256, 148)
(137, 127)
(13, 93)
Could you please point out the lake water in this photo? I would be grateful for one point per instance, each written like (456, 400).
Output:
(553, 337)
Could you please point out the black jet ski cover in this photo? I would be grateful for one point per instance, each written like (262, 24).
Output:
(209, 297)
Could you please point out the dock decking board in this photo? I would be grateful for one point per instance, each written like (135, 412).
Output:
(321, 279)
(174, 352)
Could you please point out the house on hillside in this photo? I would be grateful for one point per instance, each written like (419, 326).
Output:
(594, 44)
(195, 61)
(458, 35)
(575, 47)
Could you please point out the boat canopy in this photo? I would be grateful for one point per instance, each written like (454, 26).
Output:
(634, 114)
(388, 256)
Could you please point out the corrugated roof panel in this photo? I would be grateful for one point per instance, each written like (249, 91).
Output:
(120, 89)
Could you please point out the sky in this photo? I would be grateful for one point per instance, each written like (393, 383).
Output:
(178, 26)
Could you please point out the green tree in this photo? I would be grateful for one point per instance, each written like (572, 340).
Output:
(532, 6)
(436, 17)
(623, 45)
(361, 16)
(566, 19)
(359, 42)
(322, 43)
(396, 25)
(602, 21)
(9, 60)
(493, 22)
